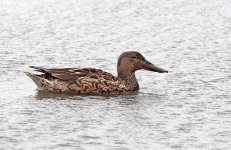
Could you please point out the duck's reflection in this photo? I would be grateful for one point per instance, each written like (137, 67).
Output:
(43, 95)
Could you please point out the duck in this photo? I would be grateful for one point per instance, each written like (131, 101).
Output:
(91, 81)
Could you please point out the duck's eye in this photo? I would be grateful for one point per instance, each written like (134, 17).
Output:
(134, 57)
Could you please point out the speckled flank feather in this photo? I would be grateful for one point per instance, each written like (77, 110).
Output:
(80, 81)
(90, 81)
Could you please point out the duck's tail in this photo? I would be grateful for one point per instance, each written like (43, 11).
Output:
(42, 83)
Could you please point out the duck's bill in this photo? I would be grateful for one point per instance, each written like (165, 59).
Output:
(150, 67)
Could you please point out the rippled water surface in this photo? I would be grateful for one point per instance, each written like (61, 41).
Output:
(188, 108)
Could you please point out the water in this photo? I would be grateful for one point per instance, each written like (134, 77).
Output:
(188, 108)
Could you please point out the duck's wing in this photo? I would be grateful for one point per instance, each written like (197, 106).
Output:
(70, 74)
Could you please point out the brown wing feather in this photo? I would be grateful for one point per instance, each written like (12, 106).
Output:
(69, 74)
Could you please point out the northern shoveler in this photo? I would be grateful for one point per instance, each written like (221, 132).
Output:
(90, 81)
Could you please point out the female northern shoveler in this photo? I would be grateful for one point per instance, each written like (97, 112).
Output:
(90, 81)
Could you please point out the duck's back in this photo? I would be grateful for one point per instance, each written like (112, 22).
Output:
(79, 81)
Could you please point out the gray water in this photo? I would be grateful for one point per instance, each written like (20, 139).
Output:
(188, 108)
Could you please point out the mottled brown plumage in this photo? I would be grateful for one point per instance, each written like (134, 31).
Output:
(90, 81)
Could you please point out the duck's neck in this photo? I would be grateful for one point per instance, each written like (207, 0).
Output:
(130, 80)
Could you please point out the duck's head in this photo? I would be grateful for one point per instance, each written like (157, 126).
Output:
(131, 61)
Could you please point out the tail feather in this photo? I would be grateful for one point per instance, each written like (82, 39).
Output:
(39, 69)
(42, 83)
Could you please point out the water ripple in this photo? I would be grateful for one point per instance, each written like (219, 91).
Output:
(189, 108)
